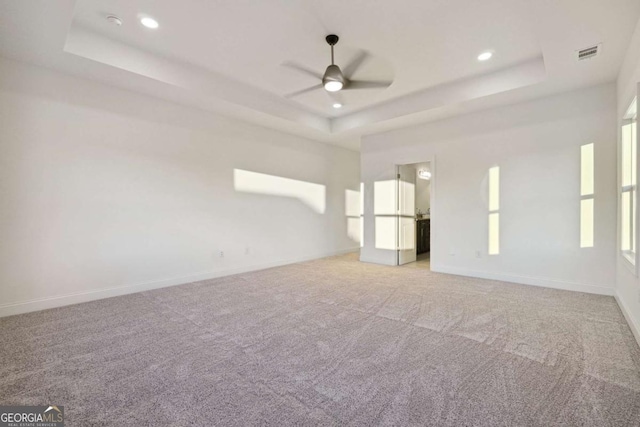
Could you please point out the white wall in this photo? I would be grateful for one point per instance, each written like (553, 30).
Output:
(104, 192)
(537, 146)
(627, 283)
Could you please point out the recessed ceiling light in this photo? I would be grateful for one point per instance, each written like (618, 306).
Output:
(484, 56)
(337, 105)
(149, 22)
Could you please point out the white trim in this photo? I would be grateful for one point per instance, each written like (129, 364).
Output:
(635, 327)
(79, 297)
(528, 280)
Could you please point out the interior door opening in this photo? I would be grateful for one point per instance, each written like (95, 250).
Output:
(414, 214)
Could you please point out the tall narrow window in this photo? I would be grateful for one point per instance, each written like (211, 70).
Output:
(494, 210)
(628, 166)
(586, 196)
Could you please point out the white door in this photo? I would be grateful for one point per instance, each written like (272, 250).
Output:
(406, 214)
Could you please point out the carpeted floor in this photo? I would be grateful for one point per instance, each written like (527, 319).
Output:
(329, 342)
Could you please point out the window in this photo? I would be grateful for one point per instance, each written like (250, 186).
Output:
(494, 211)
(628, 196)
(586, 196)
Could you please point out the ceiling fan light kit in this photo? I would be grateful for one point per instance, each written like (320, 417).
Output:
(333, 80)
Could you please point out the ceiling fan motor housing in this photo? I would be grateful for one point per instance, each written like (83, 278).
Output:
(332, 39)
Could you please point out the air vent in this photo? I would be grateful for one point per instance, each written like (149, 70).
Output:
(588, 53)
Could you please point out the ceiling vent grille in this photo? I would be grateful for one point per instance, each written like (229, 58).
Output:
(588, 53)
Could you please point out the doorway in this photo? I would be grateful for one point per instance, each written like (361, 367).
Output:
(414, 214)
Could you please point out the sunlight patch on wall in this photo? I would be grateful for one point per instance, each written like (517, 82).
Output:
(407, 199)
(353, 229)
(384, 198)
(586, 223)
(494, 208)
(352, 203)
(587, 195)
(407, 234)
(386, 232)
(352, 212)
(494, 233)
(385, 211)
(312, 195)
(362, 214)
(406, 219)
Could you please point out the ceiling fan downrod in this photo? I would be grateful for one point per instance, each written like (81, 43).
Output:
(333, 80)
(332, 39)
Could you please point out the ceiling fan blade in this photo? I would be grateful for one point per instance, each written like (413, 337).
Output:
(353, 66)
(302, 69)
(302, 91)
(364, 84)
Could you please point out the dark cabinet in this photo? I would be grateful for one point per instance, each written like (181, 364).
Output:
(423, 236)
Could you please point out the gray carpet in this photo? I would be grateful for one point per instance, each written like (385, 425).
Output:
(329, 342)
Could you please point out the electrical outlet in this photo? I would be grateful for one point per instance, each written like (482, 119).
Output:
(221, 254)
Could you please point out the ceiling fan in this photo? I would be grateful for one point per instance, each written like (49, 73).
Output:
(334, 79)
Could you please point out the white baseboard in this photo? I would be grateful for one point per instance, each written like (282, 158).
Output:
(633, 325)
(79, 297)
(527, 280)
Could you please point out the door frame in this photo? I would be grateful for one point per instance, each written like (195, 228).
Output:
(432, 202)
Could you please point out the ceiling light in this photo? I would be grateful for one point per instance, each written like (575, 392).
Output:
(424, 174)
(484, 56)
(149, 22)
(337, 105)
(333, 86)
(333, 80)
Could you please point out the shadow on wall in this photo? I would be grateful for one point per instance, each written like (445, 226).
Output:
(312, 195)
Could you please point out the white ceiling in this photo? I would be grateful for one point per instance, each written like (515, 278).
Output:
(421, 43)
(227, 55)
